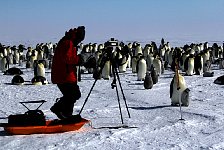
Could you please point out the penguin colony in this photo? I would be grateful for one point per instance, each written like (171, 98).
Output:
(37, 59)
(147, 62)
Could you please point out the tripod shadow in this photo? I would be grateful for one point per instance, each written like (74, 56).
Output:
(150, 108)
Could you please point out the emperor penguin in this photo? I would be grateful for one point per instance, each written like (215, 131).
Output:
(206, 56)
(207, 66)
(148, 83)
(219, 80)
(149, 61)
(170, 56)
(134, 64)
(221, 63)
(198, 64)
(129, 61)
(28, 64)
(17, 80)
(40, 55)
(28, 53)
(154, 75)
(158, 65)
(13, 71)
(16, 57)
(166, 55)
(189, 65)
(162, 53)
(141, 68)
(123, 63)
(21, 59)
(182, 60)
(39, 80)
(106, 70)
(40, 70)
(10, 55)
(4, 64)
(33, 58)
(179, 93)
(138, 50)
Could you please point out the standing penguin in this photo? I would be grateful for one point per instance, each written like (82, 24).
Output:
(158, 65)
(148, 83)
(134, 64)
(129, 61)
(149, 61)
(179, 90)
(106, 70)
(4, 63)
(33, 58)
(39, 69)
(123, 63)
(198, 64)
(189, 65)
(154, 75)
(16, 57)
(28, 64)
(141, 68)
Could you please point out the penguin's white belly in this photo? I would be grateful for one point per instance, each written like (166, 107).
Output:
(190, 69)
(123, 67)
(176, 93)
(40, 70)
(141, 70)
(106, 71)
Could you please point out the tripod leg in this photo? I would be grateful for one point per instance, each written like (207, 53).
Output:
(88, 96)
(119, 103)
(122, 93)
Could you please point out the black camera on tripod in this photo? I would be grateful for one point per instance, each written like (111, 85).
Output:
(111, 43)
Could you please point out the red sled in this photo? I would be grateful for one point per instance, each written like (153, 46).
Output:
(50, 127)
(34, 122)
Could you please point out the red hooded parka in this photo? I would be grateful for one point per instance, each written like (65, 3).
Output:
(65, 60)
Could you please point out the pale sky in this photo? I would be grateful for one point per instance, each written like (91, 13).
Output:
(47, 20)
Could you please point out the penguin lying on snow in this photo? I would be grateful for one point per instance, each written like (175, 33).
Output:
(13, 71)
(175, 93)
(17, 80)
(208, 74)
(219, 80)
(39, 80)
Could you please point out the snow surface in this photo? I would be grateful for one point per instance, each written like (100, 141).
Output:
(157, 123)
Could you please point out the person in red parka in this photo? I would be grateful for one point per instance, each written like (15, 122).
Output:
(63, 72)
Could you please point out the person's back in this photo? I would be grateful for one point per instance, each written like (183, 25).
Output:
(63, 69)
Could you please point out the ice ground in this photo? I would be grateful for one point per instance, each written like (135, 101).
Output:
(158, 124)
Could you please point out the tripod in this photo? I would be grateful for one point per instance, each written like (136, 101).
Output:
(107, 55)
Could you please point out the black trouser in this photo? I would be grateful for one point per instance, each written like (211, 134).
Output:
(71, 93)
